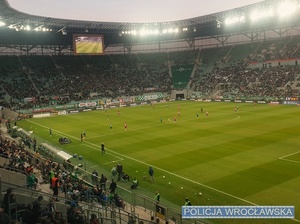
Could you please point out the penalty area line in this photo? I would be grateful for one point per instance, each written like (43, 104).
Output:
(284, 158)
(291, 161)
(291, 154)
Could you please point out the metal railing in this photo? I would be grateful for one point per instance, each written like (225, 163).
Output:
(133, 200)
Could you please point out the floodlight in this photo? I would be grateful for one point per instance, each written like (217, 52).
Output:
(286, 9)
(256, 15)
(38, 28)
(234, 20)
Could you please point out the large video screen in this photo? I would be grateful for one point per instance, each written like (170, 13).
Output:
(88, 44)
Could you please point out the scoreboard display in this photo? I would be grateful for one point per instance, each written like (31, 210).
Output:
(88, 44)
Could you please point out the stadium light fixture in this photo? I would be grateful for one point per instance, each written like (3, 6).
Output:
(62, 30)
(38, 28)
(170, 30)
(27, 27)
(258, 15)
(218, 23)
(286, 9)
(235, 20)
(144, 32)
(13, 26)
(2, 23)
(148, 32)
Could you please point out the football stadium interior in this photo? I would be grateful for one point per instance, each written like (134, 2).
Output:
(112, 122)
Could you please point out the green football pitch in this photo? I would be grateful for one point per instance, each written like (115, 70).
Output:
(247, 157)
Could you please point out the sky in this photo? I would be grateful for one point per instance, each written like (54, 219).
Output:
(126, 10)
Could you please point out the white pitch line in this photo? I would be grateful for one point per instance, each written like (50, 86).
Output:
(176, 175)
(70, 136)
(113, 162)
(93, 166)
(289, 155)
(289, 160)
(173, 174)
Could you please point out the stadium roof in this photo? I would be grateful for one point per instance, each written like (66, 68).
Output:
(208, 25)
(12, 16)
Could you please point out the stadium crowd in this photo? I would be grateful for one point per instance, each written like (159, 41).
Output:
(66, 80)
(62, 179)
(44, 80)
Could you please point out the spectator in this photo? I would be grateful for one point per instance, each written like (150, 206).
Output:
(31, 180)
(119, 170)
(28, 216)
(103, 181)
(94, 219)
(94, 177)
(51, 207)
(88, 194)
(114, 173)
(119, 201)
(9, 198)
(135, 183)
(187, 202)
(151, 174)
(55, 184)
(74, 215)
(125, 177)
(112, 187)
(157, 197)
(37, 208)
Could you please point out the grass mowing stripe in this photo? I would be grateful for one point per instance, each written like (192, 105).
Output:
(173, 174)
(260, 136)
